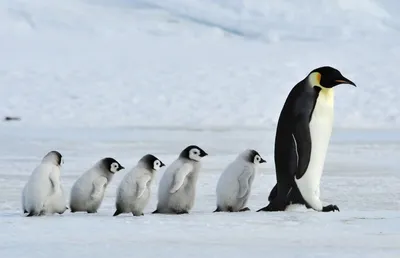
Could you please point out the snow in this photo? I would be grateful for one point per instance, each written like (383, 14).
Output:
(123, 78)
(145, 63)
(361, 177)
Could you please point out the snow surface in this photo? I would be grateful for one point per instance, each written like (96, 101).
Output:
(145, 63)
(361, 177)
(122, 78)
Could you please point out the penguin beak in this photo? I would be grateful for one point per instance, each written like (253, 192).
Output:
(162, 164)
(203, 154)
(121, 168)
(344, 80)
(263, 160)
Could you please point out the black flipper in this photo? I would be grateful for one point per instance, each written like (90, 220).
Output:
(302, 142)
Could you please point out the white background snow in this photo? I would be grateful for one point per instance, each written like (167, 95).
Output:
(122, 78)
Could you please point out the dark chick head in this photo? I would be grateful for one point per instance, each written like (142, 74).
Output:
(193, 152)
(252, 156)
(111, 165)
(55, 157)
(151, 162)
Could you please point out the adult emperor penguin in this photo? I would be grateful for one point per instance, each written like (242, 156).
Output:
(302, 139)
(43, 194)
(87, 193)
(177, 188)
(234, 185)
(134, 191)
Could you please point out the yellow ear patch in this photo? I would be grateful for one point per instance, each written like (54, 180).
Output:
(315, 79)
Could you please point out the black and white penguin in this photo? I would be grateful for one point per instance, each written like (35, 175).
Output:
(43, 193)
(302, 139)
(87, 192)
(177, 187)
(235, 183)
(134, 191)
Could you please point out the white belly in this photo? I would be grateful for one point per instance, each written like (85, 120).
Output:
(320, 130)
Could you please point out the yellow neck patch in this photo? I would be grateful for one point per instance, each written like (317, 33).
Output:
(315, 80)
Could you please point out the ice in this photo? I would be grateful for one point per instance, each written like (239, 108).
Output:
(145, 63)
(123, 78)
(361, 177)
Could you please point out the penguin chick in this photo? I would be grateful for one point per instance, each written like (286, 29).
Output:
(234, 185)
(43, 193)
(134, 191)
(87, 193)
(177, 188)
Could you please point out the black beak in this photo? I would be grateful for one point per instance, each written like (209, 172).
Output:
(120, 167)
(162, 164)
(263, 160)
(344, 80)
(203, 153)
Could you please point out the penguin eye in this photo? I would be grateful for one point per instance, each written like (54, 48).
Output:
(195, 152)
(257, 158)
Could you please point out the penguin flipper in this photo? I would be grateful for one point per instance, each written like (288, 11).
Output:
(302, 144)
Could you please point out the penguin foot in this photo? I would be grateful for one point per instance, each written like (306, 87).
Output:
(181, 212)
(137, 215)
(91, 211)
(117, 212)
(25, 211)
(244, 209)
(218, 209)
(330, 207)
(31, 214)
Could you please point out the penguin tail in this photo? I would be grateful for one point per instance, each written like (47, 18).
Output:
(155, 212)
(117, 212)
(273, 193)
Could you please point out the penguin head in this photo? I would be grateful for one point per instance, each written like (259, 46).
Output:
(151, 162)
(54, 157)
(252, 156)
(193, 152)
(111, 165)
(327, 77)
